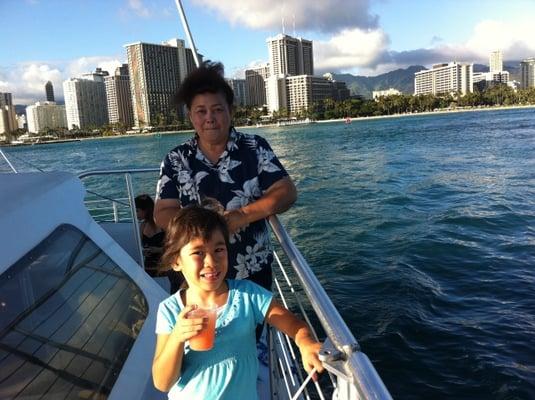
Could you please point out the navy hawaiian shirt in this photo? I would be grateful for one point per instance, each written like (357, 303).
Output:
(245, 170)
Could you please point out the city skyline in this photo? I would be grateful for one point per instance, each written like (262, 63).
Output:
(359, 37)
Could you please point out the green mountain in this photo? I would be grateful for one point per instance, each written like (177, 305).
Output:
(400, 79)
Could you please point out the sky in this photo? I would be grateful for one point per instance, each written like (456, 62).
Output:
(55, 40)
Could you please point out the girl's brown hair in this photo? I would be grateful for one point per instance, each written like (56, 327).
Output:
(190, 222)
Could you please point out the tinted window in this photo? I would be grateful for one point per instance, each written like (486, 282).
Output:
(68, 319)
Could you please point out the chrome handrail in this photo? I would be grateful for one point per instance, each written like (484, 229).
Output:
(356, 364)
(357, 377)
(85, 174)
(130, 190)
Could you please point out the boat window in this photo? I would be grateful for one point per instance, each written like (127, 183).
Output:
(68, 319)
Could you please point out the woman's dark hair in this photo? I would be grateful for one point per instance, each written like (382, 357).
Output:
(144, 202)
(189, 223)
(208, 78)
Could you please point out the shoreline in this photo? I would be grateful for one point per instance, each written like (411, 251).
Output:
(274, 125)
(441, 111)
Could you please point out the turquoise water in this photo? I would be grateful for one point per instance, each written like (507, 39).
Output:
(421, 229)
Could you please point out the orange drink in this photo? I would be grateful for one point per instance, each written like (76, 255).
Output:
(204, 340)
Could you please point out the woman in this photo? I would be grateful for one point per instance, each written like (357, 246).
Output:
(152, 239)
(238, 170)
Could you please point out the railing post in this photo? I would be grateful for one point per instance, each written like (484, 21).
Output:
(135, 223)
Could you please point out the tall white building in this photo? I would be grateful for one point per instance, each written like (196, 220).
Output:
(238, 87)
(276, 94)
(119, 98)
(85, 101)
(290, 56)
(45, 115)
(303, 90)
(255, 85)
(297, 93)
(527, 73)
(156, 71)
(496, 61)
(445, 78)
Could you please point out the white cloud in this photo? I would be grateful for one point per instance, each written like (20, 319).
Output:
(515, 39)
(366, 51)
(76, 68)
(139, 8)
(26, 81)
(350, 49)
(317, 15)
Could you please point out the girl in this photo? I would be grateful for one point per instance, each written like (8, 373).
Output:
(196, 245)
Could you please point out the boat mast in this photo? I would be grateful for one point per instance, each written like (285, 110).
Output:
(188, 33)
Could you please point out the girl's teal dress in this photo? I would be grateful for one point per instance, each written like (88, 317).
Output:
(230, 369)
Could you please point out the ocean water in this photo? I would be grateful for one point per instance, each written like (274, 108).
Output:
(421, 229)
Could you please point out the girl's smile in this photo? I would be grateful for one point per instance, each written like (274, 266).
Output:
(204, 262)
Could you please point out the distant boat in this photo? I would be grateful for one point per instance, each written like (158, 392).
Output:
(293, 121)
(348, 120)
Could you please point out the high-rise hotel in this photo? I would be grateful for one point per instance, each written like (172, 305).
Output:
(527, 73)
(85, 100)
(290, 56)
(291, 84)
(444, 78)
(255, 85)
(45, 115)
(119, 98)
(8, 117)
(496, 61)
(156, 70)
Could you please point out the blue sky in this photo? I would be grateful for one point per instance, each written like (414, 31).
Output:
(58, 39)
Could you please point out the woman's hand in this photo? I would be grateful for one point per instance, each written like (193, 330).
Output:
(185, 327)
(236, 219)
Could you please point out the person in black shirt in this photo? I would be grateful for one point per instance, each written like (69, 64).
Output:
(152, 239)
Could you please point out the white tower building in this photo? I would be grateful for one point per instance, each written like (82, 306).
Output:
(290, 56)
(496, 61)
(444, 78)
(45, 115)
(85, 101)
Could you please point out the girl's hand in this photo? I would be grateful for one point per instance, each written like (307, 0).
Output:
(309, 349)
(185, 327)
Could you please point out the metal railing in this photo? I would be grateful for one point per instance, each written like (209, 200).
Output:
(130, 190)
(353, 376)
(341, 355)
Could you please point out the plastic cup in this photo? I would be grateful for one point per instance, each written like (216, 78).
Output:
(204, 340)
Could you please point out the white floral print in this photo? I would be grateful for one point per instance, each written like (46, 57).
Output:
(244, 171)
